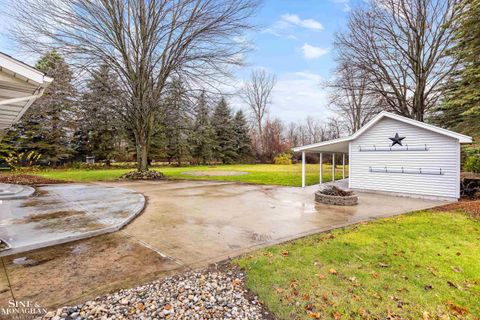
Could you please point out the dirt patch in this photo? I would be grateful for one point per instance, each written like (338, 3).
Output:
(472, 207)
(27, 179)
(214, 173)
(72, 273)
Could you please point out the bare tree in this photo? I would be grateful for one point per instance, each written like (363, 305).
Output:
(350, 98)
(402, 45)
(257, 95)
(145, 42)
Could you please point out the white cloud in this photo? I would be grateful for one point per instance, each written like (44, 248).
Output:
(287, 22)
(304, 23)
(345, 4)
(312, 52)
(295, 96)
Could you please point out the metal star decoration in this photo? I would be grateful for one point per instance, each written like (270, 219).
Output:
(397, 140)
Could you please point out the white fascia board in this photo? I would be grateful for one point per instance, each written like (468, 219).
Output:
(321, 144)
(460, 137)
(23, 71)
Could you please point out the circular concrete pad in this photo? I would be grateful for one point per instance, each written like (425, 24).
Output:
(15, 191)
(66, 212)
(207, 173)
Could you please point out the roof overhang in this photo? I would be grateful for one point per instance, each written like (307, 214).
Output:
(20, 86)
(341, 145)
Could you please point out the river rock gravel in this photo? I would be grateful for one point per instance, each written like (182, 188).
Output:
(210, 294)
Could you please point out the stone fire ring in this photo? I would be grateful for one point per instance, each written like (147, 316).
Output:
(336, 200)
(214, 173)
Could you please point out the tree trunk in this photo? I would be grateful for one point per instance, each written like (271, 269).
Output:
(143, 161)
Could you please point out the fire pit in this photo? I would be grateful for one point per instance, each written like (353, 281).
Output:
(336, 196)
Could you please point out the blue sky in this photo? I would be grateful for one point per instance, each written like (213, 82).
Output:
(294, 41)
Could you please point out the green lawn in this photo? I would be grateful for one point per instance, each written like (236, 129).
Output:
(423, 265)
(285, 175)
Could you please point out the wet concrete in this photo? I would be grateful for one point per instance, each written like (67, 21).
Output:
(202, 222)
(186, 224)
(70, 273)
(61, 213)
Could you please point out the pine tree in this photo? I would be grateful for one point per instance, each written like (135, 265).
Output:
(222, 123)
(461, 108)
(100, 131)
(242, 137)
(47, 126)
(177, 123)
(203, 136)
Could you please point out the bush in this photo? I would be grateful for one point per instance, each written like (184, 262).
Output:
(283, 158)
(472, 164)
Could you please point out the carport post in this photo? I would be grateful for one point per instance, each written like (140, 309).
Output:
(343, 166)
(303, 169)
(321, 168)
(333, 167)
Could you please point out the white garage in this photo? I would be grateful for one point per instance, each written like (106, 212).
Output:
(397, 155)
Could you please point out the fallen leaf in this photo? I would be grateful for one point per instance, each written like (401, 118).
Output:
(375, 275)
(451, 284)
(313, 315)
(237, 282)
(140, 306)
(167, 307)
(459, 253)
(383, 265)
(457, 309)
(457, 269)
(426, 315)
(333, 271)
(337, 315)
(320, 275)
(285, 253)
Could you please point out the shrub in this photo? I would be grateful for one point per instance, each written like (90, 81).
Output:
(472, 164)
(283, 158)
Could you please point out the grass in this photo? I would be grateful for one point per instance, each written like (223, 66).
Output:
(423, 265)
(284, 175)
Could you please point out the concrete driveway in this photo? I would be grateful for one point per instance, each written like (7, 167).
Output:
(185, 225)
(201, 222)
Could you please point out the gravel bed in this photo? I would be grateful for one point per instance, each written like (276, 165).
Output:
(193, 295)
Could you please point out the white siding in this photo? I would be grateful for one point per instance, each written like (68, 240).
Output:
(444, 153)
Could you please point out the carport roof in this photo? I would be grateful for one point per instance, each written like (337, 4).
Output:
(341, 145)
(20, 86)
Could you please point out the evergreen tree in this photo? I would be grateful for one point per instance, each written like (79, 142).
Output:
(99, 134)
(203, 135)
(461, 108)
(222, 123)
(177, 123)
(242, 136)
(47, 126)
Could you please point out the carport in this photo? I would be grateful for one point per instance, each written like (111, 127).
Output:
(334, 147)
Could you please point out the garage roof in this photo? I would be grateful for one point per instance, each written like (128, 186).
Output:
(20, 86)
(341, 145)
